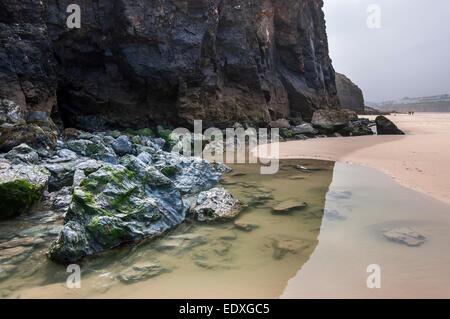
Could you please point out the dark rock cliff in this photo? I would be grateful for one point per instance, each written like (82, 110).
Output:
(350, 95)
(137, 63)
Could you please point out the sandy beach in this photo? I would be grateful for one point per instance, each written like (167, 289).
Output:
(419, 160)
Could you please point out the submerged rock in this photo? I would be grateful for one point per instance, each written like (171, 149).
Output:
(387, 127)
(244, 226)
(406, 236)
(140, 272)
(283, 245)
(20, 187)
(288, 206)
(215, 204)
(115, 205)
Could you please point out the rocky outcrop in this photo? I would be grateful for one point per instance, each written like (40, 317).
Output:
(387, 127)
(168, 61)
(349, 94)
(27, 64)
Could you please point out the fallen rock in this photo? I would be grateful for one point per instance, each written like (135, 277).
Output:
(21, 187)
(247, 227)
(358, 127)
(215, 204)
(304, 128)
(406, 236)
(387, 127)
(281, 123)
(330, 120)
(22, 154)
(288, 206)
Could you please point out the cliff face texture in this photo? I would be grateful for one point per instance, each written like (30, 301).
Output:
(139, 62)
(350, 95)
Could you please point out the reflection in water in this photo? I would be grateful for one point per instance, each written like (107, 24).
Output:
(252, 257)
(361, 206)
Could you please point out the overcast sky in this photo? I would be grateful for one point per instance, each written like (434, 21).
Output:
(408, 56)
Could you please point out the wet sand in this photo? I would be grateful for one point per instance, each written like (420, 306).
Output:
(419, 160)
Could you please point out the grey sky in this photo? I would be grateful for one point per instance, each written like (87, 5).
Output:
(408, 56)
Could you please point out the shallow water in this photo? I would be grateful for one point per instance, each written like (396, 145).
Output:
(301, 254)
(203, 260)
(347, 245)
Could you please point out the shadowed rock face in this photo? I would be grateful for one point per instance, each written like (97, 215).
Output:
(350, 95)
(138, 63)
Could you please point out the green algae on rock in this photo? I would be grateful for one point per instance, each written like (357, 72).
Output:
(116, 205)
(21, 187)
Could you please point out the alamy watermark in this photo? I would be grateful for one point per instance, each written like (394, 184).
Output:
(74, 19)
(235, 145)
(374, 279)
(374, 19)
(74, 279)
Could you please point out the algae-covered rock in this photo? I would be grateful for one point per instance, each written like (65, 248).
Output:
(20, 187)
(215, 204)
(190, 175)
(116, 205)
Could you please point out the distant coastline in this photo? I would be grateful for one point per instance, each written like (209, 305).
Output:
(436, 103)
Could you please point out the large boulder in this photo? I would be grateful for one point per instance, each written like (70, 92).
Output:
(387, 127)
(31, 134)
(331, 120)
(116, 205)
(21, 186)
